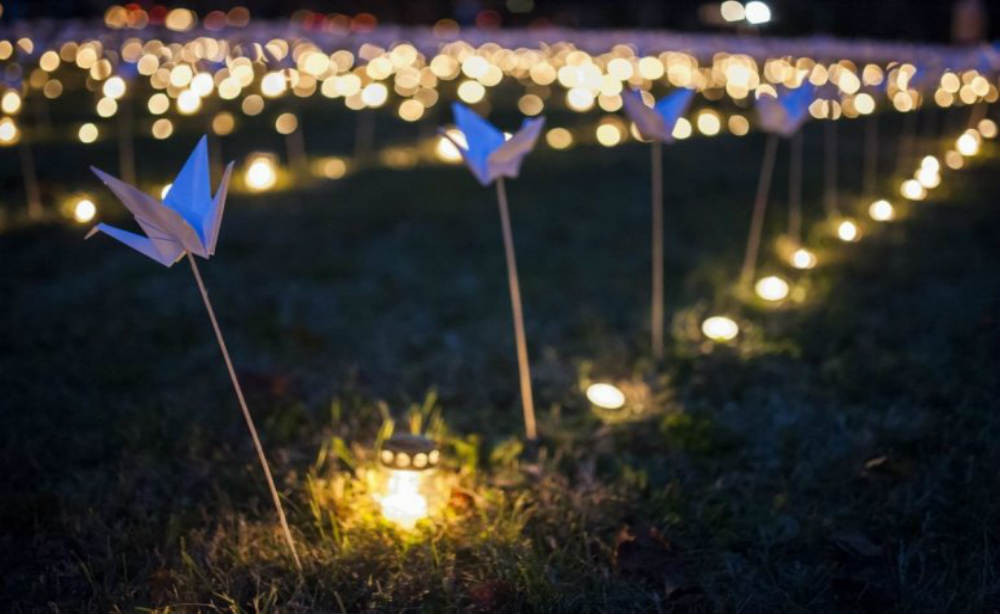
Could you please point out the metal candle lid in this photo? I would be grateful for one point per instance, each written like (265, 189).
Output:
(409, 452)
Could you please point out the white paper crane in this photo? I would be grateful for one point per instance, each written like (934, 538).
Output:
(486, 152)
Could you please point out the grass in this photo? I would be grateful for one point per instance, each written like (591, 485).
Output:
(840, 457)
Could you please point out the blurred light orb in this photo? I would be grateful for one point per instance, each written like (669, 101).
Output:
(930, 162)
(720, 328)
(188, 102)
(559, 138)
(607, 396)
(881, 211)
(913, 190)
(286, 123)
(708, 122)
(954, 160)
(803, 259)
(732, 11)
(10, 103)
(967, 144)
(114, 87)
(223, 123)
(165, 190)
(848, 231)
(374, 95)
(987, 127)
(261, 173)
(8, 131)
(771, 288)
(88, 133)
(445, 150)
(682, 129)
(84, 210)
(928, 178)
(608, 135)
(757, 12)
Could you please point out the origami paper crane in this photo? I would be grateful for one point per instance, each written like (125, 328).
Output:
(657, 123)
(187, 220)
(487, 153)
(785, 114)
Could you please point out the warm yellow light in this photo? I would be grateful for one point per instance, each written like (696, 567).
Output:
(732, 11)
(607, 396)
(968, 144)
(928, 178)
(223, 123)
(165, 190)
(757, 12)
(10, 103)
(446, 150)
(579, 99)
(331, 167)
(404, 505)
(273, 84)
(162, 128)
(987, 127)
(682, 129)
(931, 163)
(608, 135)
(87, 133)
(864, 103)
(738, 125)
(260, 174)
(848, 231)
(771, 288)
(912, 190)
(559, 138)
(374, 95)
(720, 328)
(114, 87)
(188, 102)
(8, 131)
(954, 160)
(106, 107)
(530, 104)
(881, 211)
(84, 210)
(411, 110)
(803, 259)
(286, 123)
(158, 103)
(708, 122)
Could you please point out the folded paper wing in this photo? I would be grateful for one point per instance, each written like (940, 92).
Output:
(505, 161)
(657, 123)
(187, 221)
(486, 152)
(785, 114)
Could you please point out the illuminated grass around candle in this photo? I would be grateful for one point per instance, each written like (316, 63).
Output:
(407, 462)
(803, 259)
(619, 399)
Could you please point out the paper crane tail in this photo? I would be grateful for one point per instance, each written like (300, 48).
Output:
(163, 251)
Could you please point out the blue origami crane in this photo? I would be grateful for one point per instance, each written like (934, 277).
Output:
(486, 152)
(657, 123)
(187, 220)
(785, 114)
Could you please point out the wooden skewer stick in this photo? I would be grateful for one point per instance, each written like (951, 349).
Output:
(759, 208)
(246, 412)
(523, 368)
(657, 311)
(830, 196)
(795, 189)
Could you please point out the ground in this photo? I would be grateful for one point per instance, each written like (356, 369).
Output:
(840, 457)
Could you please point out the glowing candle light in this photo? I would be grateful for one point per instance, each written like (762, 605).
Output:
(802, 258)
(881, 211)
(848, 231)
(720, 328)
(407, 461)
(606, 396)
(913, 190)
(771, 288)
(445, 150)
(84, 210)
(968, 143)
(261, 173)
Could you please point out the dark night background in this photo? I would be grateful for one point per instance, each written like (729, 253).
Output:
(891, 19)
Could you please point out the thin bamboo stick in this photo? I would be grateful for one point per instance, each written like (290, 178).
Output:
(657, 311)
(246, 412)
(523, 368)
(759, 208)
